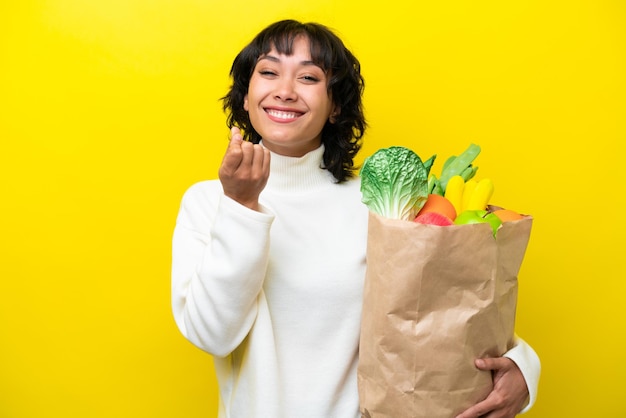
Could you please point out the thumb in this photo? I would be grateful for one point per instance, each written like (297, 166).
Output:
(235, 136)
(234, 153)
(490, 363)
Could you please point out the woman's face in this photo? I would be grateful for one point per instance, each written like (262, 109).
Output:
(288, 101)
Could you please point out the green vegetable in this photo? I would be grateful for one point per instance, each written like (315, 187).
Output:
(447, 162)
(394, 182)
(434, 187)
(461, 166)
(428, 164)
(469, 172)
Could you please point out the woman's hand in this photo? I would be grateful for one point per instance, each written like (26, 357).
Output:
(244, 170)
(509, 394)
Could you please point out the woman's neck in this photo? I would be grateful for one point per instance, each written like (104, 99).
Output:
(298, 174)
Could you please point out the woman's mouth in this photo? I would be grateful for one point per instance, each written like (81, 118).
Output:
(283, 115)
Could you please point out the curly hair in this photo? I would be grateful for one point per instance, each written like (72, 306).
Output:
(342, 137)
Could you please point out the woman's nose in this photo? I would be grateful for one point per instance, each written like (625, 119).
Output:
(285, 90)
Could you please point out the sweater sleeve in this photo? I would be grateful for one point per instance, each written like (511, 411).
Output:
(219, 259)
(528, 362)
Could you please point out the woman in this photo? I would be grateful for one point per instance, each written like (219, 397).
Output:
(269, 261)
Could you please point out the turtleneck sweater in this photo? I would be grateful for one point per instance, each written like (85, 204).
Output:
(275, 295)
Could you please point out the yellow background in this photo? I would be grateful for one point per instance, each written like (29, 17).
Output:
(109, 110)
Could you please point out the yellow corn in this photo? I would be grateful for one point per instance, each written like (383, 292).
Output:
(454, 191)
(468, 190)
(481, 195)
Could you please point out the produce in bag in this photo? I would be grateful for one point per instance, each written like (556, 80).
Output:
(435, 298)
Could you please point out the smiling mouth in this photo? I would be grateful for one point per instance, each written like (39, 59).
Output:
(283, 115)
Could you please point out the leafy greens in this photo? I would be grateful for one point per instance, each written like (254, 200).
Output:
(394, 182)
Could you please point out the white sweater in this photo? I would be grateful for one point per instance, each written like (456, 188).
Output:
(276, 295)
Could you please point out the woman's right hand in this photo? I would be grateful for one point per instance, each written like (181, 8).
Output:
(244, 170)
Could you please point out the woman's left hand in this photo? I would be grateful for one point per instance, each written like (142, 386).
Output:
(509, 394)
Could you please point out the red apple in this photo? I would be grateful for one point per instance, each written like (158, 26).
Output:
(433, 218)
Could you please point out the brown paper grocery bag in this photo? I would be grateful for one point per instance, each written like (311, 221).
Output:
(435, 299)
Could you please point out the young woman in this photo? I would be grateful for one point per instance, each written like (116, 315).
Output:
(269, 261)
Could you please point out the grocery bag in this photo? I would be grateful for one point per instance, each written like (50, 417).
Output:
(435, 299)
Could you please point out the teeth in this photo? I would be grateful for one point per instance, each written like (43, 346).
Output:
(282, 115)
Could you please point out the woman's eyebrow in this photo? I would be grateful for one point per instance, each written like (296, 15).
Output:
(268, 57)
(273, 58)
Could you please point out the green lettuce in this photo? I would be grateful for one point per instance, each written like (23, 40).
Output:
(394, 182)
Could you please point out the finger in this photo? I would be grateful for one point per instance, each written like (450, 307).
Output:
(478, 410)
(489, 407)
(260, 162)
(234, 154)
(247, 156)
(235, 134)
(492, 363)
(234, 146)
(255, 164)
(266, 161)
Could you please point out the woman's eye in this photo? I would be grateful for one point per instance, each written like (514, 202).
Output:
(310, 78)
(267, 72)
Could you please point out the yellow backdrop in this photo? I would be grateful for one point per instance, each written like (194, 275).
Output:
(109, 110)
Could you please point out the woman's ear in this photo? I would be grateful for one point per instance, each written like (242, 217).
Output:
(245, 103)
(334, 113)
